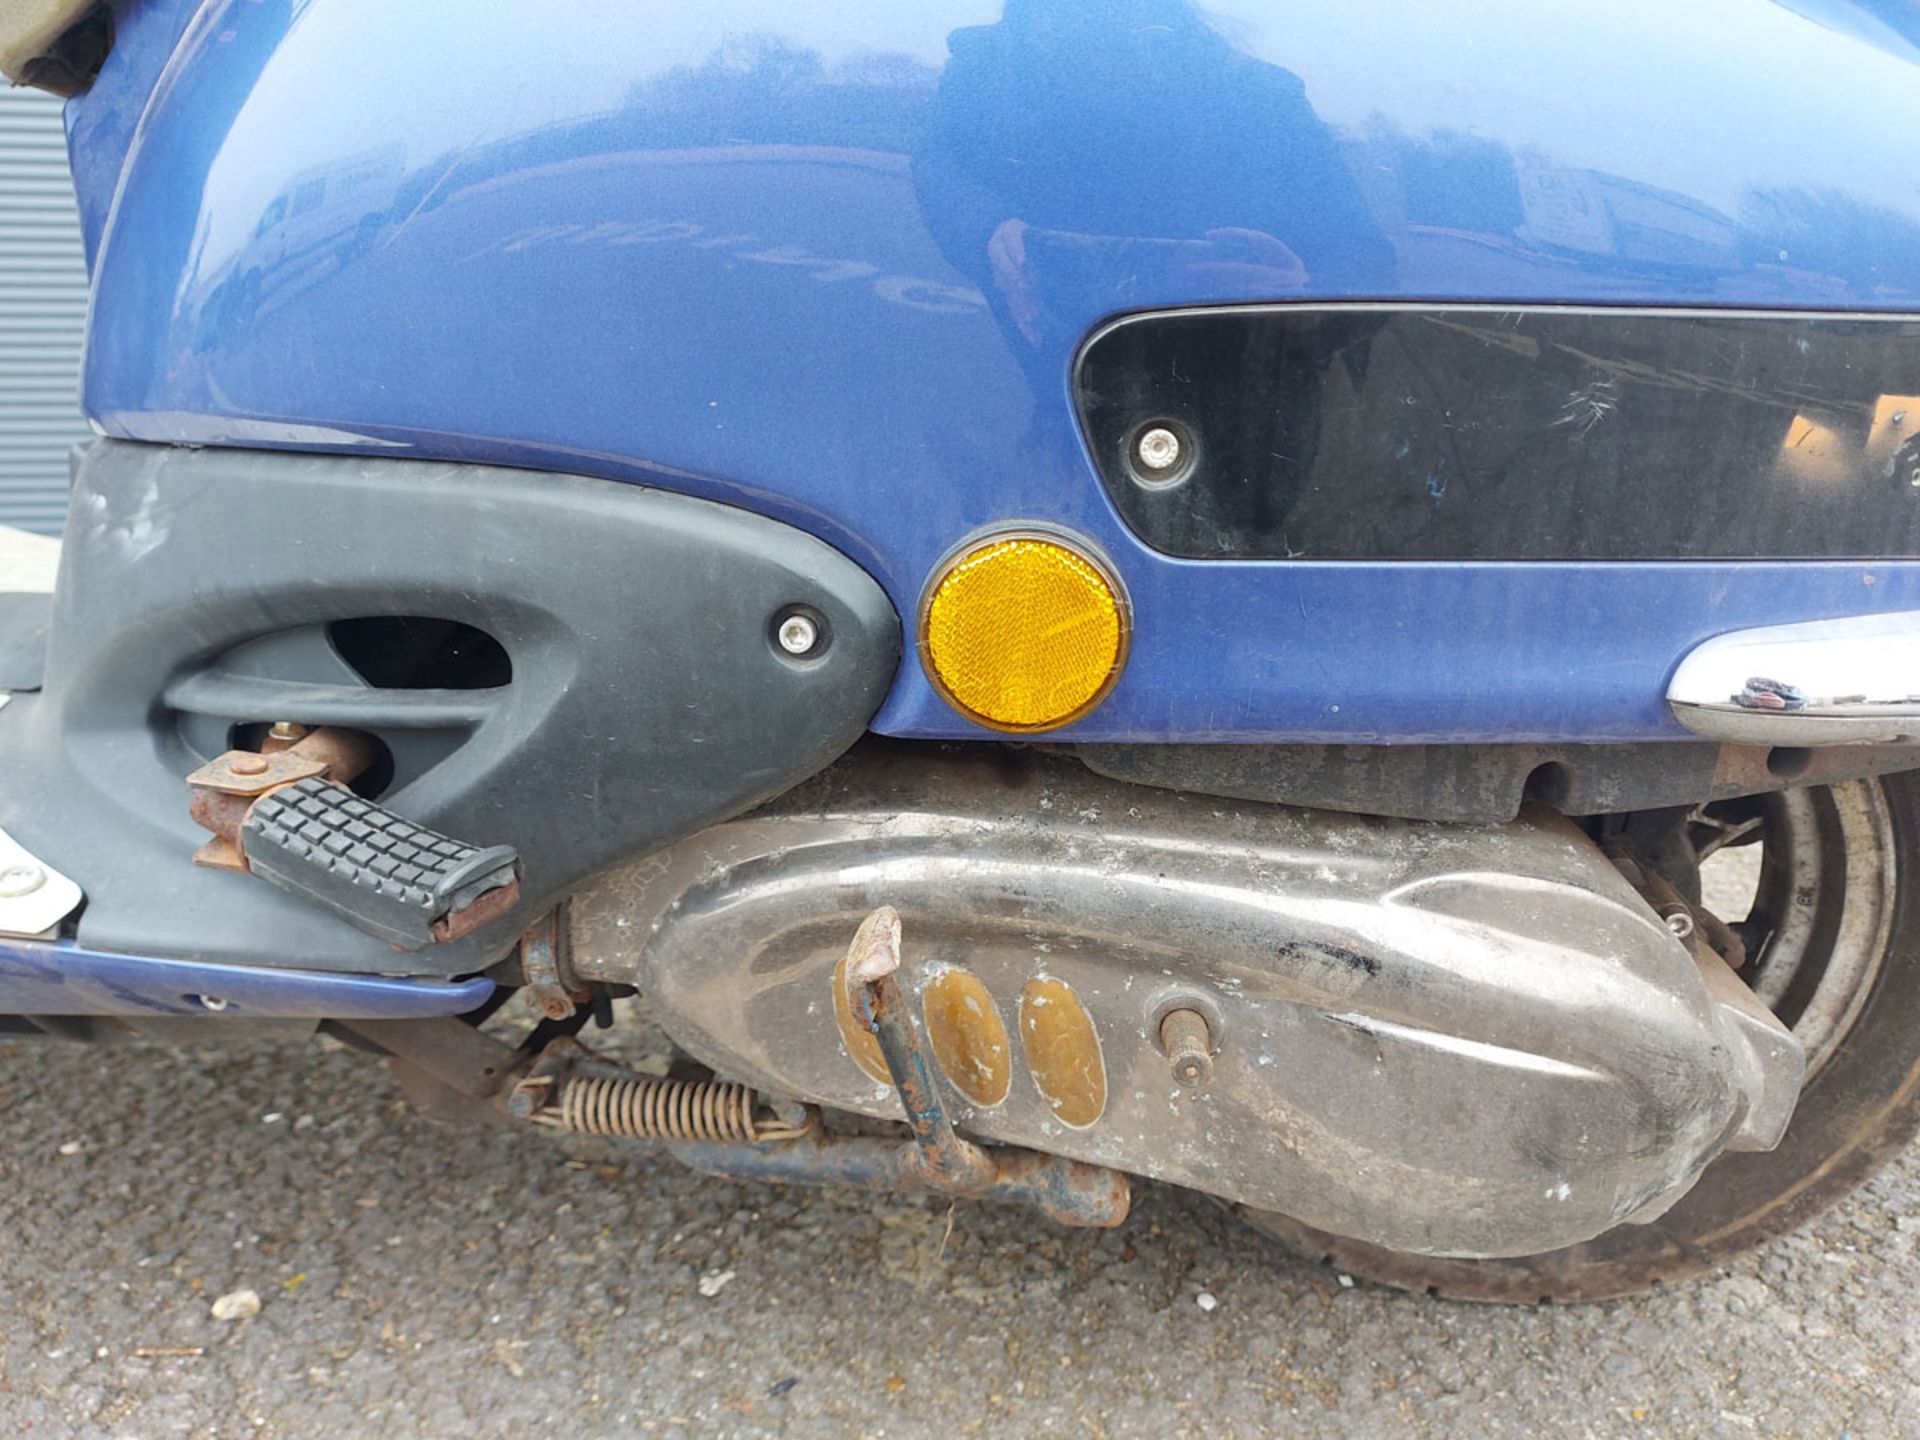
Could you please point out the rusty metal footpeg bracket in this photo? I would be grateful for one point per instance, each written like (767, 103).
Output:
(288, 817)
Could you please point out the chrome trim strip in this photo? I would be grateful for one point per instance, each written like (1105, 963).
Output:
(1851, 681)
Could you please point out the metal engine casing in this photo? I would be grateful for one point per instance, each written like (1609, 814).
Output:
(1471, 1040)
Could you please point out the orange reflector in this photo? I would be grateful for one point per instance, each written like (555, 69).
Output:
(1023, 632)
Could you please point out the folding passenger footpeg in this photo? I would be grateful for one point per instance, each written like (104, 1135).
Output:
(289, 818)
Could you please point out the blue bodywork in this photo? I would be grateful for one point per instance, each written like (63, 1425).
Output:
(833, 263)
(60, 978)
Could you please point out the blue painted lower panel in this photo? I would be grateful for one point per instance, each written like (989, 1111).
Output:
(1359, 652)
(59, 978)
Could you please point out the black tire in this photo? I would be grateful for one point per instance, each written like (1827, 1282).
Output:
(1859, 1109)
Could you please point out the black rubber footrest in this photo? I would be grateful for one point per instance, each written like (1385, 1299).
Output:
(388, 876)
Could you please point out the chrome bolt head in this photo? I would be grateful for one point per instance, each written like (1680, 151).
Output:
(1680, 923)
(798, 634)
(21, 878)
(1157, 449)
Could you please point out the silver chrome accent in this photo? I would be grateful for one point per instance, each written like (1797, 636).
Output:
(33, 897)
(1851, 681)
(1158, 449)
(1453, 1039)
(798, 634)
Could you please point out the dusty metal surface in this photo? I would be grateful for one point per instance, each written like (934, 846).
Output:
(934, 1159)
(1451, 1039)
(713, 1128)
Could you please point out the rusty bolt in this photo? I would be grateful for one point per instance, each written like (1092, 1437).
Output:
(556, 1007)
(1188, 1044)
(248, 765)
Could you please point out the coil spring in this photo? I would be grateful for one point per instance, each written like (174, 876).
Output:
(638, 1109)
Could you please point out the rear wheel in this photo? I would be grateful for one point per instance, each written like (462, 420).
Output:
(1833, 931)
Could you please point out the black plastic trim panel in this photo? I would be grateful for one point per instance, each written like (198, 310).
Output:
(1466, 432)
(647, 696)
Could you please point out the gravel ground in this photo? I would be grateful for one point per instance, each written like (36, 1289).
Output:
(424, 1281)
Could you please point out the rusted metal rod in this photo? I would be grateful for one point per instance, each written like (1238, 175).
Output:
(937, 1159)
(946, 1160)
(1066, 1191)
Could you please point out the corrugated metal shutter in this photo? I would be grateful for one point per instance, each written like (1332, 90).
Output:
(43, 307)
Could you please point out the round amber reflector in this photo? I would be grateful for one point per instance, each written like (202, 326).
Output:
(1023, 632)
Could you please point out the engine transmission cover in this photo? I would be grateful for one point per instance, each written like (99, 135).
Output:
(1470, 1040)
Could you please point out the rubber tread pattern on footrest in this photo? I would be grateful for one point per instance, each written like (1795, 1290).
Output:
(389, 876)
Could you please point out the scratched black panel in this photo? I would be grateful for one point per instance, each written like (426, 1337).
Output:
(1526, 434)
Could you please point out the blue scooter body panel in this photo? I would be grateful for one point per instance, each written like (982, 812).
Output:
(834, 263)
